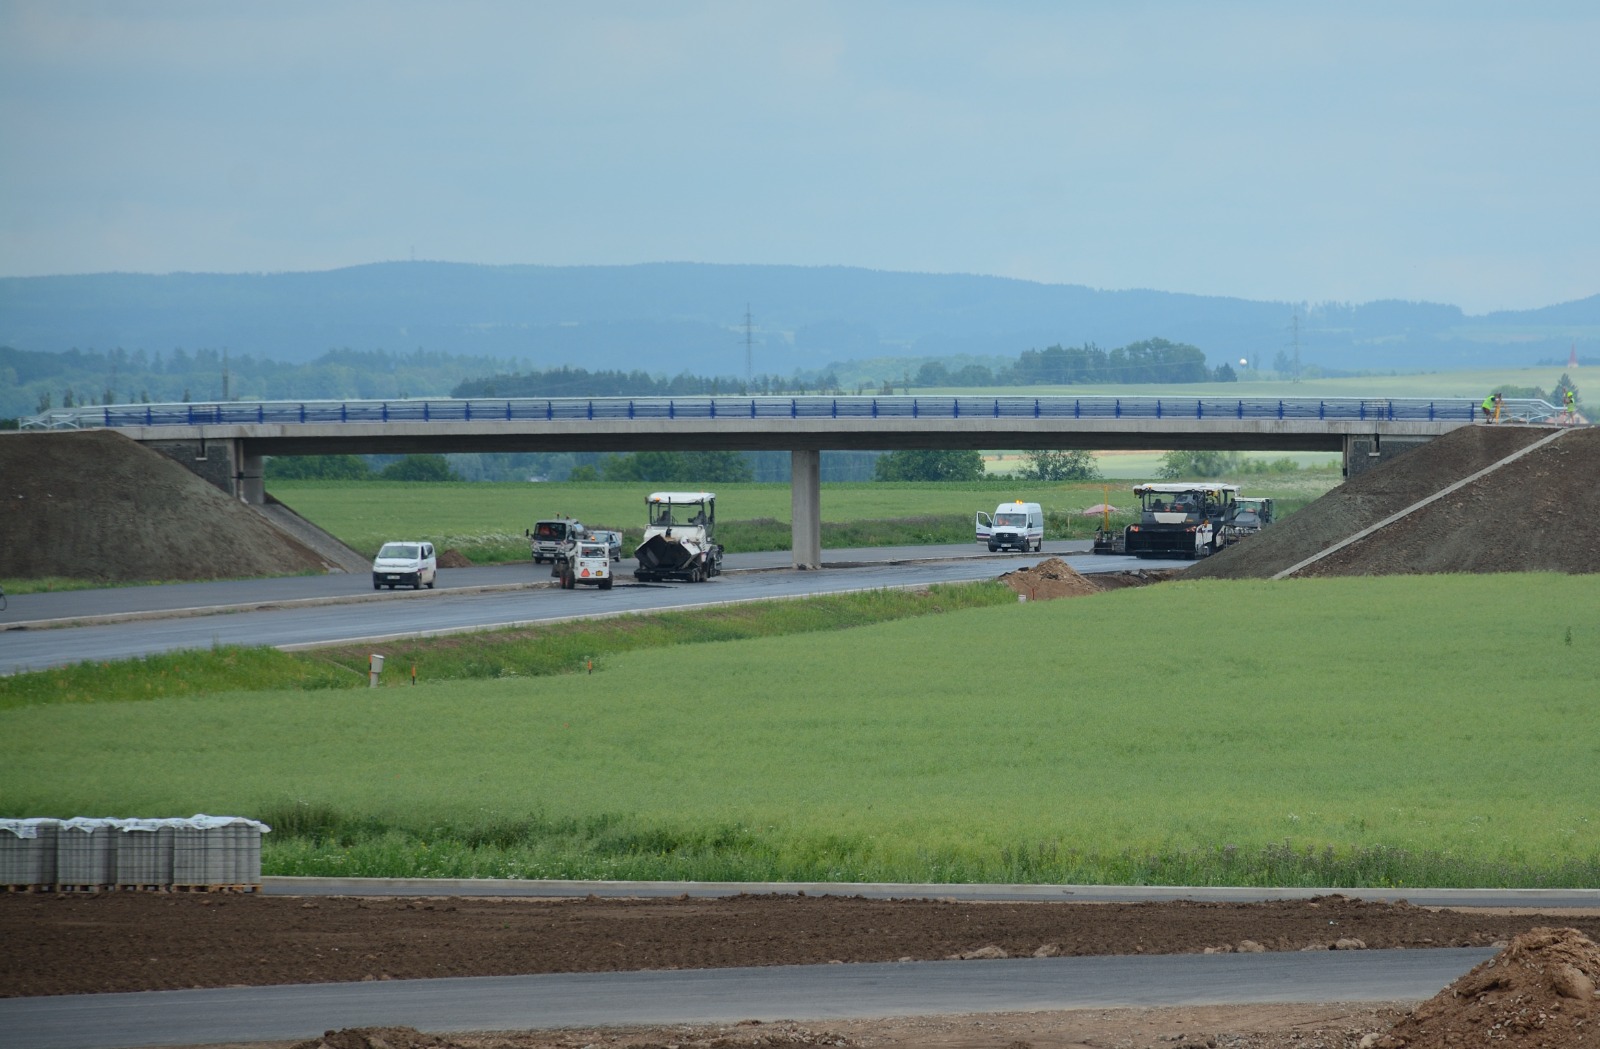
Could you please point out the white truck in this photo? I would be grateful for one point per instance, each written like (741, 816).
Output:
(1015, 525)
(547, 538)
(679, 538)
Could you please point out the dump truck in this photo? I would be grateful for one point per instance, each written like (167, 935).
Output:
(1249, 516)
(1180, 519)
(679, 538)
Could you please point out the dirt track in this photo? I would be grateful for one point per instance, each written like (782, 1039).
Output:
(88, 943)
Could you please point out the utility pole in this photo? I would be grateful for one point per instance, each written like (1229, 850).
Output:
(749, 341)
(1297, 344)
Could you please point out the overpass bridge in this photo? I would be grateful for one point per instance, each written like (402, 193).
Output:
(227, 442)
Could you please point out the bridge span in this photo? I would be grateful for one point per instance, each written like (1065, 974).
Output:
(227, 442)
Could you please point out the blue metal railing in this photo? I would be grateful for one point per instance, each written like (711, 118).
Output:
(449, 410)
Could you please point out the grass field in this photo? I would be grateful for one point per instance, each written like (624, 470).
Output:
(1385, 731)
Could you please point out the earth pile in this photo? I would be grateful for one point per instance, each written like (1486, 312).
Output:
(96, 505)
(1539, 513)
(1538, 993)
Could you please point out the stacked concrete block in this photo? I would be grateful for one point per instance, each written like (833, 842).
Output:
(86, 854)
(28, 853)
(144, 853)
(196, 853)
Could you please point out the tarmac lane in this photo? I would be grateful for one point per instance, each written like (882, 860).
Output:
(813, 992)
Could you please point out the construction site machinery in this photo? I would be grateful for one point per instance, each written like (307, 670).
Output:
(587, 561)
(1249, 517)
(548, 539)
(679, 538)
(1180, 519)
(1107, 540)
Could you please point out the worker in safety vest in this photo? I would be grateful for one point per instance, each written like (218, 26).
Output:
(1491, 408)
(1571, 400)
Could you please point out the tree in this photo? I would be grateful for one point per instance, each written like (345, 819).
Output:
(319, 468)
(584, 472)
(1075, 465)
(678, 467)
(1225, 373)
(928, 464)
(419, 468)
(1175, 465)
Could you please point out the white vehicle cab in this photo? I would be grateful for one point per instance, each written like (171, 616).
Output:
(410, 563)
(589, 561)
(1015, 526)
(546, 538)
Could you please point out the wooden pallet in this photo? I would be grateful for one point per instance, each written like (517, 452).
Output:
(213, 888)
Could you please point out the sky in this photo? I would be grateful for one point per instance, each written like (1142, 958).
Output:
(1289, 152)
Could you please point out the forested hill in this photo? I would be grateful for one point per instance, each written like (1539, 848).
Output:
(672, 318)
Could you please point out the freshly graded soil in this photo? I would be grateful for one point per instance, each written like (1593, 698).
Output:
(89, 943)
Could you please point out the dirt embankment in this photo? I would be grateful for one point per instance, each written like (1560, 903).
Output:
(1540, 513)
(96, 505)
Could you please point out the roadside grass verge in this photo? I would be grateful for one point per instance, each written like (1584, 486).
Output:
(1383, 732)
(556, 648)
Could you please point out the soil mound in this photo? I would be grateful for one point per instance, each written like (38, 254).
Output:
(1049, 579)
(454, 558)
(1538, 993)
(96, 505)
(1540, 513)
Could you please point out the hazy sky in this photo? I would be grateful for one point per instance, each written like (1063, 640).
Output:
(1288, 151)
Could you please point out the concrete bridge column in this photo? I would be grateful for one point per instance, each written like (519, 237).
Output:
(805, 494)
(248, 483)
(1363, 451)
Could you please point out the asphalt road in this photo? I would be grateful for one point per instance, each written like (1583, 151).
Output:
(813, 992)
(45, 630)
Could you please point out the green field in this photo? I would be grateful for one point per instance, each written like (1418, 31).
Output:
(1386, 731)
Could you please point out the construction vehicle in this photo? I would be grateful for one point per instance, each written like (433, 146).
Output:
(588, 560)
(1107, 540)
(679, 538)
(1249, 517)
(1180, 519)
(547, 539)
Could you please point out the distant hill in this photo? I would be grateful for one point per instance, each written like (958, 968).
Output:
(671, 318)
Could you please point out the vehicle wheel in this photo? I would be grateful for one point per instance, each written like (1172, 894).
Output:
(605, 584)
(993, 548)
(377, 586)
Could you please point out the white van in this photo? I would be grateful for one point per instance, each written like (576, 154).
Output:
(1014, 526)
(405, 564)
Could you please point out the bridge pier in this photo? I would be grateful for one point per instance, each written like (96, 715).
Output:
(222, 461)
(1363, 451)
(805, 500)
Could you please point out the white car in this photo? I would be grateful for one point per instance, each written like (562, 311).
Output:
(410, 563)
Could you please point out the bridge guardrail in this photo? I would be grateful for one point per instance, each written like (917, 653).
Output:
(814, 407)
